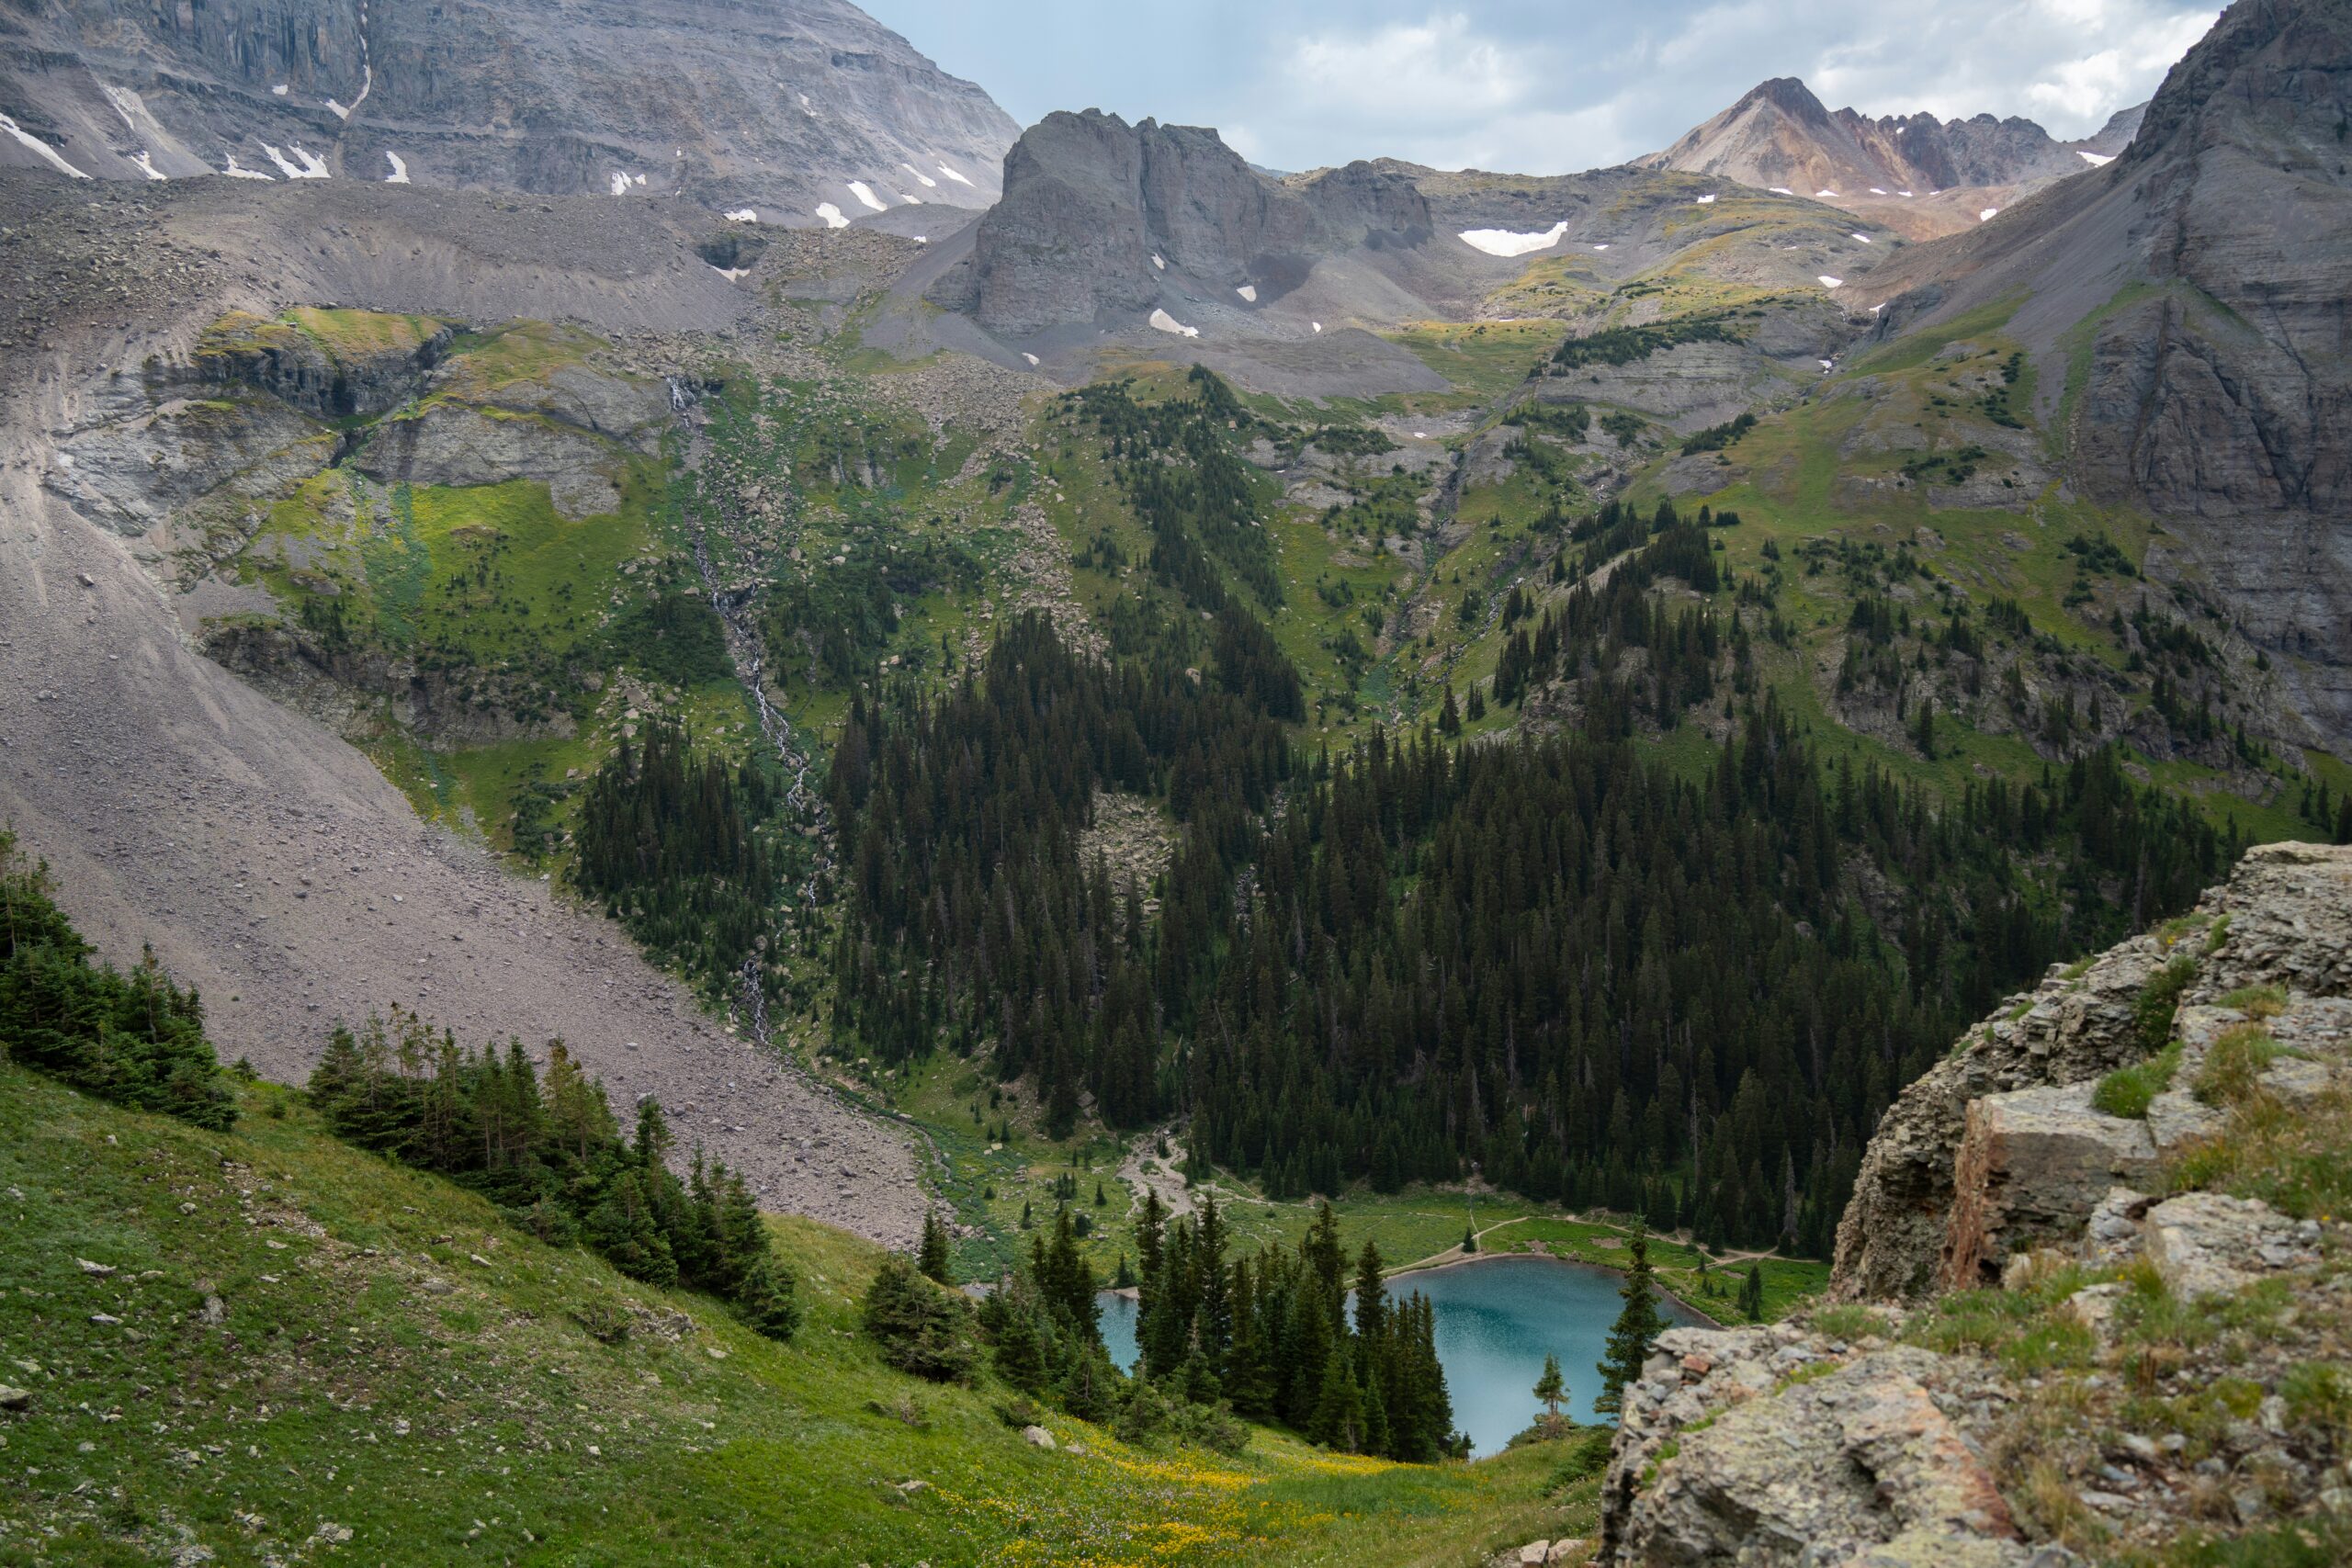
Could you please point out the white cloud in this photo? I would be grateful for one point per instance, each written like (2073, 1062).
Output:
(1440, 68)
(1540, 86)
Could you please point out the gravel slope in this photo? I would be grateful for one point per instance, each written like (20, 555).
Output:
(267, 862)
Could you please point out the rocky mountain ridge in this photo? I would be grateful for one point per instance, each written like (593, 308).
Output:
(1922, 174)
(794, 112)
(1101, 218)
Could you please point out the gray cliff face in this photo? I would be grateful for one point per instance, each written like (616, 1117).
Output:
(2219, 398)
(1097, 214)
(776, 106)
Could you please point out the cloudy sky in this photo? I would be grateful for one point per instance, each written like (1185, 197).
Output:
(1540, 86)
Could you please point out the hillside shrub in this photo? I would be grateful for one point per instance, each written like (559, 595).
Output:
(136, 1039)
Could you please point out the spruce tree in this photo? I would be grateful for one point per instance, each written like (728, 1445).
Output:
(1751, 1295)
(931, 1258)
(1637, 1327)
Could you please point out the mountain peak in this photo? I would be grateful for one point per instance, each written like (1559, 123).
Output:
(1787, 94)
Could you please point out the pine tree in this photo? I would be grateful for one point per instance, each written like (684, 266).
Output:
(1637, 1330)
(931, 1258)
(1551, 1389)
(1751, 1295)
(1338, 1421)
(622, 1228)
(767, 1297)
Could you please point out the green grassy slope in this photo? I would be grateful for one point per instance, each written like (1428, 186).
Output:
(293, 1340)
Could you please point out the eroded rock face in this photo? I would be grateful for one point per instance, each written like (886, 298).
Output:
(2283, 919)
(770, 104)
(2034, 1164)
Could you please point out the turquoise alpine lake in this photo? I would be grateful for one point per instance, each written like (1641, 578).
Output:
(1497, 1319)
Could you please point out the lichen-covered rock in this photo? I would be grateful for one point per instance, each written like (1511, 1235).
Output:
(2204, 1244)
(1874, 1459)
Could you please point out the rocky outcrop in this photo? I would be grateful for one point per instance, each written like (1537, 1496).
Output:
(2034, 1164)
(770, 105)
(1781, 1446)
(1099, 216)
(2284, 918)
(323, 376)
(1860, 1437)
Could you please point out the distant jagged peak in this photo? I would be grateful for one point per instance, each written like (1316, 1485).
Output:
(1790, 95)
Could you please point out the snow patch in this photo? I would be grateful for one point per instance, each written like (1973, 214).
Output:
(1782, 190)
(2095, 159)
(732, 273)
(1829, 282)
(337, 110)
(1600, 247)
(831, 215)
(1826, 193)
(954, 175)
(234, 173)
(1865, 239)
(1706, 200)
(926, 181)
(1828, 366)
(1249, 291)
(1318, 326)
(308, 169)
(399, 176)
(1988, 215)
(865, 194)
(1420, 436)
(1903, 193)
(1157, 261)
(281, 89)
(619, 183)
(1875, 191)
(1168, 323)
(1876, 309)
(147, 166)
(806, 108)
(1031, 359)
(1505, 243)
(744, 215)
(49, 154)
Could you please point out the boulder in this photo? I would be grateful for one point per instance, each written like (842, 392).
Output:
(1038, 1438)
(2204, 1244)
(2032, 1167)
(1872, 1462)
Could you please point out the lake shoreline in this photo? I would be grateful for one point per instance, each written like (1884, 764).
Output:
(1442, 1263)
